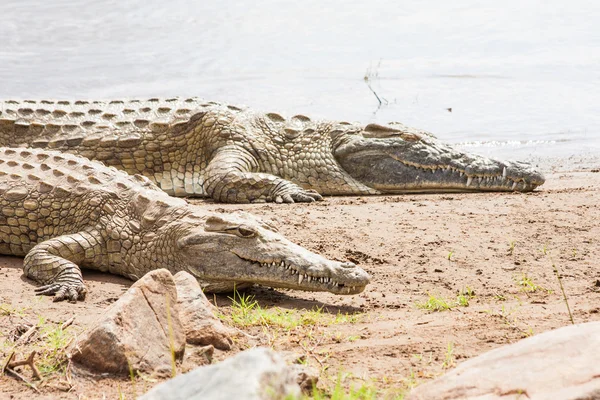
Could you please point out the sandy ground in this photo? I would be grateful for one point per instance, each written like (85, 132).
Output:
(413, 246)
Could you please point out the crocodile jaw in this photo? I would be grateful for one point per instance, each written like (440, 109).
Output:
(242, 248)
(329, 276)
(395, 165)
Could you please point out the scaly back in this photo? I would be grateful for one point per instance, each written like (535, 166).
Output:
(44, 194)
(50, 123)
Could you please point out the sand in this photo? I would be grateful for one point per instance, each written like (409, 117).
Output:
(414, 246)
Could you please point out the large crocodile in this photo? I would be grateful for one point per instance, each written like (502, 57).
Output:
(193, 148)
(63, 212)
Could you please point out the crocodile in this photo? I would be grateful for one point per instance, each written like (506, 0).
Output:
(63, 212)
(190, 147)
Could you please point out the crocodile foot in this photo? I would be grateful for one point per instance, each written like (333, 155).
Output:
(298, 195)
(71, 291)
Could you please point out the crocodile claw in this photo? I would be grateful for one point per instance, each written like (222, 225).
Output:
(299, 196)
(62, 291)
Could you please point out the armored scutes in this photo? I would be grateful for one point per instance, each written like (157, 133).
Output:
(193, 148)
(63, 212)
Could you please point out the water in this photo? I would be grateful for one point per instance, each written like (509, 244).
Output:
(522, 77)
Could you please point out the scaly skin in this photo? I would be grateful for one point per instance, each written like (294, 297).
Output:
(193, 148)
(63, 212)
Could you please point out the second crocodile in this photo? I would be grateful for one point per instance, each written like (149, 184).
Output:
(63, 212)
(189, 147)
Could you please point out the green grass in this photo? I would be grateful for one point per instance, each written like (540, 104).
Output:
(51, 348)
(8, 310)
(48, 340)
(246, 311)
(435, 303)
(438, 303)
(449, 359)
(527, 285)
(511, 247)
(464, 296)
(362, 391)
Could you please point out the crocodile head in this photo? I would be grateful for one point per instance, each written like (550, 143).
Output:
(397, 159)
(244, 249)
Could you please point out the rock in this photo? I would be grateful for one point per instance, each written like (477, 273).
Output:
(306, 376)
(197, 315)
(559, 364)
(196, 356)
(255, 374)
(138, 330)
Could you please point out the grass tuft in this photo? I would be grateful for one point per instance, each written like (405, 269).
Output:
(246, 312)
(529, 286)
(363, 391)
(435, 303)
(438, 303)
(511, 247)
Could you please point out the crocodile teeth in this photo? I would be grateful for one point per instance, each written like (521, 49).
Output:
(504, 172)
(514, 186)
(469, 181)
(309, 279)
(300, 278)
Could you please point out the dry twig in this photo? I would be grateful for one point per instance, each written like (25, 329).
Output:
(29, 362)
(67, 323)
(25, 337)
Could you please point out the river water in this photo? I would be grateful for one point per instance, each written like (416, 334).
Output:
(522, 78)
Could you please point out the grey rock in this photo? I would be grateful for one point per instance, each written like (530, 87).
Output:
(255, 374)
(197, 315)
(560, 364)
(137, 331)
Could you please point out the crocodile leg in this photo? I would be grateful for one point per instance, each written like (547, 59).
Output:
(231, 178)
(55, 264)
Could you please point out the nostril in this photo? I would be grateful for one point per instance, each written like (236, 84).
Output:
(348, 264)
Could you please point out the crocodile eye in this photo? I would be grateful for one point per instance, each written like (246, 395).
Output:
(246, 232)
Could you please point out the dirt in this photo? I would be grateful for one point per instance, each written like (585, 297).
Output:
(413, 246)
